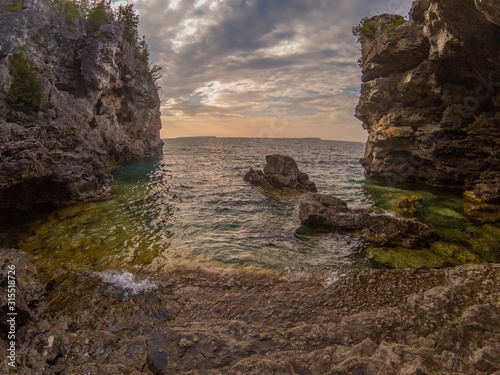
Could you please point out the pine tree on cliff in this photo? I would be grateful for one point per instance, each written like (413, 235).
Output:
(25, 91)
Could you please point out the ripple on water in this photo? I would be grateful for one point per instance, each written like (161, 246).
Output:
(192, 205)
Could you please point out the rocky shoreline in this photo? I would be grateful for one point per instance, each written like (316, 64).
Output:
(197, 321)
(203, 319)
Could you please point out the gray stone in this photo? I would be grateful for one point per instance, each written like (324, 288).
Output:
(327, 212)
(280, 172)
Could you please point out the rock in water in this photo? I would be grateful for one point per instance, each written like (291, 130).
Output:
(280, 172)
(99, 105)
(430, 97)
(327, 212)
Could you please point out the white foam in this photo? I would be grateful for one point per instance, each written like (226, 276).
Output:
(127, 281)
(331, 279)
(293, 276)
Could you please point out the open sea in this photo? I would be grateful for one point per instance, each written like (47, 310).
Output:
(192, 206)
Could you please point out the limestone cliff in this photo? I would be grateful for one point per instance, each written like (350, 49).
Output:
(430, 97)
(99, 105)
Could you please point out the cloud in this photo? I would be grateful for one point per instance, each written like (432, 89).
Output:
(226, 61)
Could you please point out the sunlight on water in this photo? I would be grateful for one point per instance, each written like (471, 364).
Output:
(192, 206)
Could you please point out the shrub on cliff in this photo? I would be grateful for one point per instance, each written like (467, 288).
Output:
(99, 15)
(25, 91)
(398, 22)
(365, 29)
(126, 15)
(70, 9)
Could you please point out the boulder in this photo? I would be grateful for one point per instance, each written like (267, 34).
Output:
(280, 172)
(327, 212)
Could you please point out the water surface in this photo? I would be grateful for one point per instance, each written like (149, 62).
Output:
(191, 206)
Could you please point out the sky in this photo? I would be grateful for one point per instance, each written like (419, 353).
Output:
(259, 68)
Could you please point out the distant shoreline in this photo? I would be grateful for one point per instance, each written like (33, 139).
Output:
(216, 137)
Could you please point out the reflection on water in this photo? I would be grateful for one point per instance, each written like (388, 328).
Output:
(192, 205)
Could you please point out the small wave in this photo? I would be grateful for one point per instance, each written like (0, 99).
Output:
(126, 281)
(293, 276)
(331, 279)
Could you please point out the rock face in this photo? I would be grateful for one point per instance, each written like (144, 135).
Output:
(430, 97)
(280, 172)
(490, 9)
(324, 211)
(372, 321)
(29, 300)
(99, 105)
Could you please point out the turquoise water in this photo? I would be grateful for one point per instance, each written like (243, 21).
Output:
(191, 206)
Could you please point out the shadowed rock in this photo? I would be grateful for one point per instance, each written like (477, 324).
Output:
(280, 172)
(430, 97)
(327, 212)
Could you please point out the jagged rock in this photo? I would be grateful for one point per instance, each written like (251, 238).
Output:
(430, 98)
(99, 106)
(379, 321)
(323, 211)
(280, 172)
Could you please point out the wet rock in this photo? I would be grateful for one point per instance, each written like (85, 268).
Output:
(411, 204)
(486, 213)
(429, 97)
(442, 321)
(327, 212)
(280, 172)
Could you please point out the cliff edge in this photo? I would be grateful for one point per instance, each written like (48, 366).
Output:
(99, 104)
(430, 96)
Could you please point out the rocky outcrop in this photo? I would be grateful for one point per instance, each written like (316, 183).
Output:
(371, 321)
(99, 105)
(327, 212)
(280, 172)
(430, 97)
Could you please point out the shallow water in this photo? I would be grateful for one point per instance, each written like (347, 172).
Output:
(192, 206)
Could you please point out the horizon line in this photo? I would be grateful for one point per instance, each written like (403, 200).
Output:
(247, 137)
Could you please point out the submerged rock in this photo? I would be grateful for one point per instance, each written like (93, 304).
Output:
(486, 213)
(280, 172)
(411, 204)
(328, 212)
